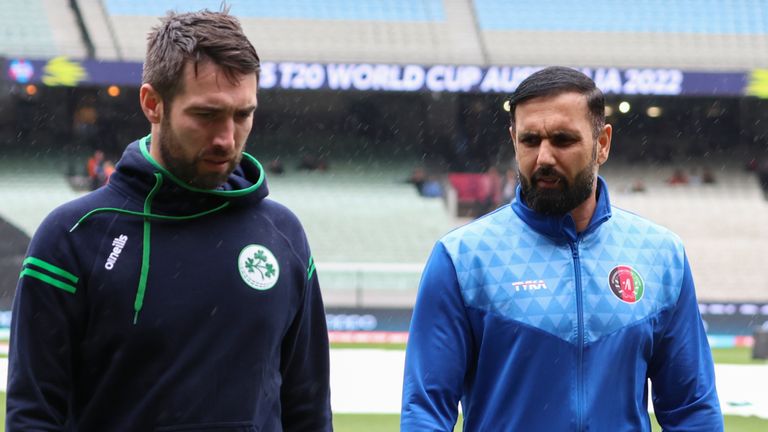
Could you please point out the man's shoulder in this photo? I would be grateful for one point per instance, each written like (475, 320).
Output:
(65, 216)
(632, 223)
(277, 211)
(279, 215)
(498, 223)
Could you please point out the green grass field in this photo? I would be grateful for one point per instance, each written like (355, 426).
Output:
(389, 423)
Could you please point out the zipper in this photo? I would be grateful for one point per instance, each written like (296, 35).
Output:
(580, 320)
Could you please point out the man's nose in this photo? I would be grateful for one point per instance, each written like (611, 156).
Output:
(546, 155)
(224, 136)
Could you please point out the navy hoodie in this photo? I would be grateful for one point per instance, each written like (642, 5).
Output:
(151, 305)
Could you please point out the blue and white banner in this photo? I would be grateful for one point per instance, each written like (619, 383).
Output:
(373, 77)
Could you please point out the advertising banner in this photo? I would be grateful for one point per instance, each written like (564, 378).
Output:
(371, 77)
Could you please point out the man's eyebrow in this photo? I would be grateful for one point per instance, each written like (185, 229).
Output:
(566, 134)
(249, 109)
(216, 108)
(528, 134)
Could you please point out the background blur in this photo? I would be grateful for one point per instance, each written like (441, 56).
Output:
(382, 124)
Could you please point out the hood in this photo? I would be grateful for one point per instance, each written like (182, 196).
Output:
(159, 195)
(135, 175)
(563, 227)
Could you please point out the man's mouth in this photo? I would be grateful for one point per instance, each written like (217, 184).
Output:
(548, 182)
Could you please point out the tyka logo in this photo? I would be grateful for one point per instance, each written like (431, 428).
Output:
(529, 285)
(117, 248)
(258, 267)
(626, 284)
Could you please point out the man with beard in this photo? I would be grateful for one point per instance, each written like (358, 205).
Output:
(553, 312)
(178, 297)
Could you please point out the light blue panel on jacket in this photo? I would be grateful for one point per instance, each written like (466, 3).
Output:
(652, 251)
(506, 268)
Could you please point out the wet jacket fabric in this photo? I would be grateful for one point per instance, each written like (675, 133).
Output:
(533, 326)
(151, 305)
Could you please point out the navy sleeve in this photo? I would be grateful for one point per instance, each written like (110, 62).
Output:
(440, 347)
(47, 313)
(305, 395)
(682, 371)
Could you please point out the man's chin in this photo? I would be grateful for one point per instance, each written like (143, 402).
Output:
(208, 181)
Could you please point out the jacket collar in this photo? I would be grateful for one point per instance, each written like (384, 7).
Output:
(135, 176)
(563, 227)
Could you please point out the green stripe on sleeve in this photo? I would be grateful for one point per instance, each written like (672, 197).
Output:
(47, 279)
(51, 268)
(311, 268)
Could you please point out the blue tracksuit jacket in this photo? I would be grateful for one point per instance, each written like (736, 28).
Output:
(149, 305)
(536, 327)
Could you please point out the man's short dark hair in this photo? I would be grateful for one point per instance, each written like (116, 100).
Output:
(555, 80)
(196, 37)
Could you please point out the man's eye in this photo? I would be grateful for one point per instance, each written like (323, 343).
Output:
(564, 140)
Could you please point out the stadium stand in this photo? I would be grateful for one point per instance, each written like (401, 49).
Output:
(399, 31)
(729, 35)
(25, 30)
(100, 29)
(723, 35)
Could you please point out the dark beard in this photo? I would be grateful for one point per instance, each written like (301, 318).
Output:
(557, 202)
(184, 170)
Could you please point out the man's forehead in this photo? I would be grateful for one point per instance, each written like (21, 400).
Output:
(562, 107)
(571, 99)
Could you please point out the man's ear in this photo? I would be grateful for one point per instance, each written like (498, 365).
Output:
(604, 144)
(512, 136)
(151, 103)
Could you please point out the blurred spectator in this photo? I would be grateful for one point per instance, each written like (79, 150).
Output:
(708, 176)
(427, 186)
(510, 185)
(432, 188)
(494, 188)
(108, 168)
(678, 178)
(417, 178)
(762, 175)
(276, 167)
(312, 163)
(694, 178)
(95, 169)
(638, 186)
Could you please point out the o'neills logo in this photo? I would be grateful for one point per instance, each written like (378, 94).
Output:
(626, 284)
(117, 247)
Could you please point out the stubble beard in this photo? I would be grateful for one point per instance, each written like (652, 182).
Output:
(187, 170)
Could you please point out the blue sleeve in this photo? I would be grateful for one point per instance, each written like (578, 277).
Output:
(46, 327)
(440, 346)
(305, 364)
(682, 371)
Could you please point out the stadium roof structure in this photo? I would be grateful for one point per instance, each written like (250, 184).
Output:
(692, 35)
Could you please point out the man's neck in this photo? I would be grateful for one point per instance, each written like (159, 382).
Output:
(582, 214)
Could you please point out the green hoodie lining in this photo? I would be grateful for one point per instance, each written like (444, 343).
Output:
(224, 193)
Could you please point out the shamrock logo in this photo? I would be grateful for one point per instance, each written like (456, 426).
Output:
(258, 267)
(258, 263)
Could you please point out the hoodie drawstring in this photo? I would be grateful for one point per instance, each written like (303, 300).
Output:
(145, 250)
(147, 215)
